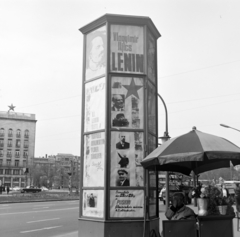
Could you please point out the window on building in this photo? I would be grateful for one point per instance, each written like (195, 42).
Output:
(17, 153)
(18, 133)
(9, 153)
(26, 134)
(10, 132)
(1, 142)
(16, 163)
(24, 163)
(18, 143)
(25, 144)
(25, 154)
(1, 152)
(9, 142)
(2, 132)
(17, 172)
(8, 162)
(1, 171)
(1, 162)
(7, 171)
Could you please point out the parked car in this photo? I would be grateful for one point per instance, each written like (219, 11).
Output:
(44, 188)
(16, 188)
(31, 189)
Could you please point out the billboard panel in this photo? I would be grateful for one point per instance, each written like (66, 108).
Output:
(126, 154)
(127, 102)
(126, 203)
(94, 105)
(126, 49)
(94, 156)
(93, 203)
(95, 53)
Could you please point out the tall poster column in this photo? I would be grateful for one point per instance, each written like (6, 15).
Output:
(119, 127)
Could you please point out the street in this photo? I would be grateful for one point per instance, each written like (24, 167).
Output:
(51, 219)
(37, 219)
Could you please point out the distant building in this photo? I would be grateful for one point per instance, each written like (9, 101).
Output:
(17, 146)
(58, 168)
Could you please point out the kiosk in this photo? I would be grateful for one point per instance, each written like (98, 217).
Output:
(119, 127)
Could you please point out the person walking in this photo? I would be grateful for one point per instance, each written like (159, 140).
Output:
(8, 189)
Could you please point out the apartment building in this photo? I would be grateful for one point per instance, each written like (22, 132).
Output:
(17, 145)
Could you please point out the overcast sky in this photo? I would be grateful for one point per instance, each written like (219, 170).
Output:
(198, 64)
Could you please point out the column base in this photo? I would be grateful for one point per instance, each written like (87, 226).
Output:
(131, 228)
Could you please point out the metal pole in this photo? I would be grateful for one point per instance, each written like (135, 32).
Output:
(164, 139)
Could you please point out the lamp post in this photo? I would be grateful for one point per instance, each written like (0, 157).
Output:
(164, 139)
(226, 126)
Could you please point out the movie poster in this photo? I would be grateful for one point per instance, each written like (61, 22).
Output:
(93, 161)
(95, 105)
(126, 45)
(152, 96)
(96, 53)
(126, 203)
(151, 55)
(93, 203)
(127, 149)
(127, 102)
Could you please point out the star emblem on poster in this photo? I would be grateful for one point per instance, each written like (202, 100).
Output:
(11, 107)
(132, 89)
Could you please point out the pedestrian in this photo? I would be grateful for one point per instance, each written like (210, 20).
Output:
(8, 189)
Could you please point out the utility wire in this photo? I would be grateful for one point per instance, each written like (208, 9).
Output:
(199, 69)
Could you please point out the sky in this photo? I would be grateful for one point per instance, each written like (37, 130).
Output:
(41, 50)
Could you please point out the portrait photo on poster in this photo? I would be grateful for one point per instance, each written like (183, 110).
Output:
(118, 102)
(123, 141)
(92, 200)
(123, 160)
(122, 177)
(120, 121)
(96, 53)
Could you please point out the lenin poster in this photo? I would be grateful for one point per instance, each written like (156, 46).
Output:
(127, 149)
(127, 96)
(126, 49)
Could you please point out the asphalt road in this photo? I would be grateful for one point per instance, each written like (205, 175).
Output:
(37, 219)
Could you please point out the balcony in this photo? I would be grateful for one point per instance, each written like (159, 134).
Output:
(18, 135)
(1, 134)
(9, 155)
(26, 136)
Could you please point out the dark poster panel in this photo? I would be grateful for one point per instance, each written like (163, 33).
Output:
(152, 94)
(127, 99)
(127, 149)
(151, 143)
(95, 53)
(151, 58)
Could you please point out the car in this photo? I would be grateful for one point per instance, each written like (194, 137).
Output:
(31, 189)
(16, 188)
(44, 188)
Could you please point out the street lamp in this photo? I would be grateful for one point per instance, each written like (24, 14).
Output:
(226, 126)
(164, 139)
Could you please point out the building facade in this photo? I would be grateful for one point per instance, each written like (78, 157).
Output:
(55, 171)
(17, 146)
